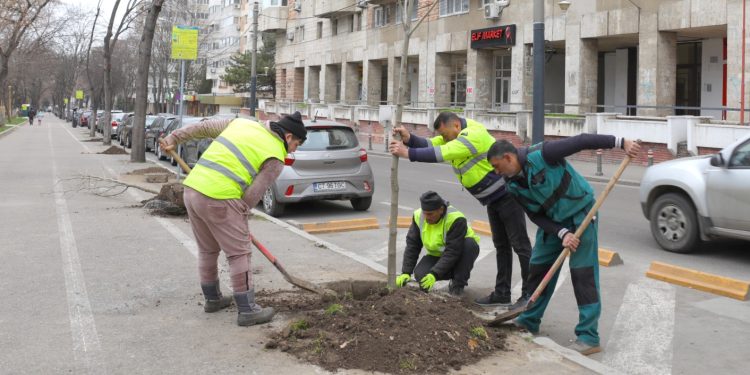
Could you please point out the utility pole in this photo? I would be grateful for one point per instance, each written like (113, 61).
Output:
(10, 102)
(253, 70)
(537, 130)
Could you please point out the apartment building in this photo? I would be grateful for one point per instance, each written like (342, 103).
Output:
(224, 33)
(647, 58)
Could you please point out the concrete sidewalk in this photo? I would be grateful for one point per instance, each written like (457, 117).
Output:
(631, 176)
(116, 290)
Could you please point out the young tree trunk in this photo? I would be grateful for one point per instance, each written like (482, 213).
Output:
(138, 153)
(407, 7)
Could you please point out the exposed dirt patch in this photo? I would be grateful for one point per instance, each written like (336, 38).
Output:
(404, 331)
(169, 202)
(114, 150)
(149, 170)
(92, 140)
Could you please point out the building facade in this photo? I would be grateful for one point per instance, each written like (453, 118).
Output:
(645, 58)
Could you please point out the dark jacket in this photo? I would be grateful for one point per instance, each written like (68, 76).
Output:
(454, 244)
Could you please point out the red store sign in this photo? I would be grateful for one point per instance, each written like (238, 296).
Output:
(492, 37)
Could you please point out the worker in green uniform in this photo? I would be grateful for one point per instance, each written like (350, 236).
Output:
(557, 199)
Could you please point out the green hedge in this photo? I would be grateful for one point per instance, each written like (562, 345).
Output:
(16, 120)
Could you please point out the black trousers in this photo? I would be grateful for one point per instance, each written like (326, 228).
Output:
(508, 225)
(461, 270)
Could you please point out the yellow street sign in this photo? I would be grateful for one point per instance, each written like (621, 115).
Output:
(184, 42)
(65, 100)
(79, 94)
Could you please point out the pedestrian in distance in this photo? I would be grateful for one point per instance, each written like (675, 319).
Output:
(228, 180)
(557, 199)
(451, 246)
(31, 114)
(464, 143)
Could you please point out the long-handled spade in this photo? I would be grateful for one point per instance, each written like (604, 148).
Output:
(510, 314)
(304, 284)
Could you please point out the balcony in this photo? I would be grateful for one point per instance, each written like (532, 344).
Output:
(273, 19)
(382, 2)
(336, 8)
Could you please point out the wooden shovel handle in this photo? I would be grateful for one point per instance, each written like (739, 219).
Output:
(185, 166)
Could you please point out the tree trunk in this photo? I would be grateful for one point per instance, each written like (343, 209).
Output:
(138, 153)
(107, 118)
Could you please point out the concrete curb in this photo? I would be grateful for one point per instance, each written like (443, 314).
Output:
(694, 279)
(589, 178)
(11, 130)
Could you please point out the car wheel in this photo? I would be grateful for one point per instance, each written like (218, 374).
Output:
(129, 141)
(361, 204)
(172, 160)
(272, 206)
(158, 153)
(674, 224)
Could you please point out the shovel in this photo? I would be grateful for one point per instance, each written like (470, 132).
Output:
(510, 314)
(289, 278)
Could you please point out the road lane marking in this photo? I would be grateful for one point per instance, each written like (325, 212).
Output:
(407, 208)
(449, 182)
(86, 346)
(641, 338)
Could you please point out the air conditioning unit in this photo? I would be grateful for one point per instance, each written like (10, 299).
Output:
(492, 10)
(298, 6)
(290, 35)
(237, 6)
(362, 4)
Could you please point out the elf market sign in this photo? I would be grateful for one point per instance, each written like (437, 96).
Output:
(493, 37)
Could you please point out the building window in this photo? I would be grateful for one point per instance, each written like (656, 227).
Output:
(501, 93)
(458, 83)
(319, 33)
(398, 13)
(299, 34)
(451, 7)
(351, 23)
(276, 3)
(334, 26)
(381, 16)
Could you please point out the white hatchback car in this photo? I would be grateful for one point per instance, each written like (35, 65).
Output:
(699, 198)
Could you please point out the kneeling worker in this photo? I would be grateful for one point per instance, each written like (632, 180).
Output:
(452, 247)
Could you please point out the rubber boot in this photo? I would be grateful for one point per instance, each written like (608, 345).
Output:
(250, 313)
(214, 300)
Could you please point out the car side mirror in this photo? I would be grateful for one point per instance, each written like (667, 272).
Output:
(717, 160)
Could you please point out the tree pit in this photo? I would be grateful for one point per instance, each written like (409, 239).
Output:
(372, 328)
(114, 150)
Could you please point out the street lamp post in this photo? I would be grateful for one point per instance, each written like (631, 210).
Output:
(253, 71)
(537, 133)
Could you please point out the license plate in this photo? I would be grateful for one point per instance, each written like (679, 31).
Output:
(329, 186)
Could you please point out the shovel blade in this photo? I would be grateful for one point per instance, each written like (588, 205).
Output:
(506, 316)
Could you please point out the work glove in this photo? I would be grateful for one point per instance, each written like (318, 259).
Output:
(402, 279)
(427, 282)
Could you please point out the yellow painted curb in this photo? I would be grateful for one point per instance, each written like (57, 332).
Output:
(341, 225)
(723, 286)
(481, 227)
(402, 221)
(609, 258)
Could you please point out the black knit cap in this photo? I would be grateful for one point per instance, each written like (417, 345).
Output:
(431, 201)
(293, 124)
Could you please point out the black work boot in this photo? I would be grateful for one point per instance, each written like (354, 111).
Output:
(493, 300)
(214, 300)
(250, 313)
(455, 290)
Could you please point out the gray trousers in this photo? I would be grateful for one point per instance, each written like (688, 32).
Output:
(221, 225)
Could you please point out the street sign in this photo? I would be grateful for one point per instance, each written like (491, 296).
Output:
(79, 94)
(184, 42)
(65, 100)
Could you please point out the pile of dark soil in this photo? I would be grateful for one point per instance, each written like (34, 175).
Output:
(404, 331)
(169, 202)
(149, 170)
(114, 150)
(92, 140)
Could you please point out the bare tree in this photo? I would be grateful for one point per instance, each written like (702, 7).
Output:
(138, 153)
(408, 7)
(16, 18)
(89, 75)
(110, 42)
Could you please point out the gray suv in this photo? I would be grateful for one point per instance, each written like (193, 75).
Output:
(699, 198)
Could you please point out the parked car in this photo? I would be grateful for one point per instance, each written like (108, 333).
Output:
(190, 151)
(330, 165)
(117, 120)
(157, 130)
(699, 198)
(100, 123)
(174, 125)
(83, 119)
(125, 132)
